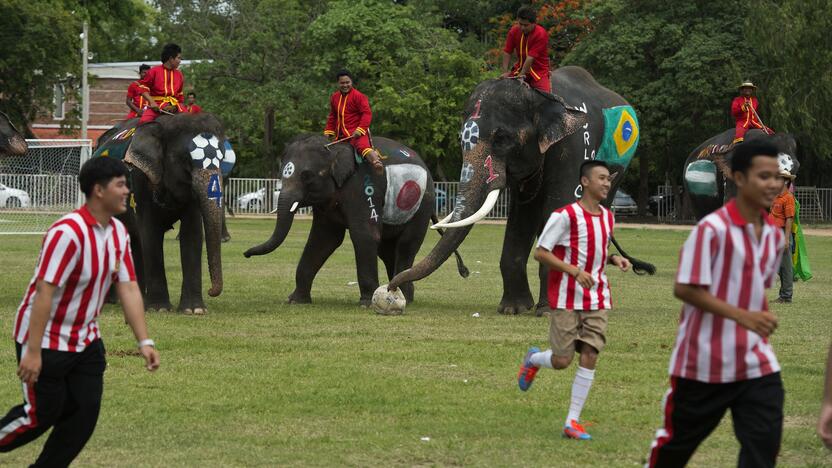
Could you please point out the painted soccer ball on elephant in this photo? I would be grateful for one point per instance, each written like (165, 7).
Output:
(205, 151)
(388, 302)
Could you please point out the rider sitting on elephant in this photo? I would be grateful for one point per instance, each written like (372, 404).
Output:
(530, 42)
(744, 110)
(164, 83)
(135, 99)
(349, 117)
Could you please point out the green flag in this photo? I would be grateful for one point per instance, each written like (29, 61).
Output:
(800, 257)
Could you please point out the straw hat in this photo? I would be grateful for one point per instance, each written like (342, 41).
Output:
(747, 84)
(786, 174)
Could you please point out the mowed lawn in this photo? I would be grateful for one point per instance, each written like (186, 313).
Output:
(259, 383)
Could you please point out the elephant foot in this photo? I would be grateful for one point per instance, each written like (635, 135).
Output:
(366, 303)
(542, 309)
(195, 311)
(158, 307)
(514, 306)
(298, 298)
(225, 238)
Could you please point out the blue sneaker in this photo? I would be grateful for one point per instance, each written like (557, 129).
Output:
(527, 370)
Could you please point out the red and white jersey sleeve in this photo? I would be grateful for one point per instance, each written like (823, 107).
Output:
(723, 255)
(81, 258)
(580, 239)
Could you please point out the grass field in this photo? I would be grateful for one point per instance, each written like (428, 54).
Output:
(260, 383)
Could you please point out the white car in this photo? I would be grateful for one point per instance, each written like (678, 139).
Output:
(254, 201)
(13, 198)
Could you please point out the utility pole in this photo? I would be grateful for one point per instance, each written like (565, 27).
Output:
(85, 90)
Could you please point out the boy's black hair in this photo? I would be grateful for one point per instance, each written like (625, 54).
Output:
(527, 13)
(343, 72)
(169, 51)
(144, 67)
(100, 171)
(746, 151)
(588, 165)
(192, 94)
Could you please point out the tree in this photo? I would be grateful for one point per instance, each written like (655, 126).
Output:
(678, 64)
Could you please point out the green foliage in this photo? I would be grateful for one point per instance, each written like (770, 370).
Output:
(792, 38)
(677, 63)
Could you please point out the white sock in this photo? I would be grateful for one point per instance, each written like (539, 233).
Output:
(580, 389)
(542, 359)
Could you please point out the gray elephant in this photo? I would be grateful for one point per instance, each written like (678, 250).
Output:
(532, 143)
(12, 142)
(707, 174)
(387, 215)
(176, 165)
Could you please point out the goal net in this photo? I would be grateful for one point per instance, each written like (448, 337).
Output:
(39, 187)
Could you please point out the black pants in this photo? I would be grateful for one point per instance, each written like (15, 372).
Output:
(693, 410)
(67, 396)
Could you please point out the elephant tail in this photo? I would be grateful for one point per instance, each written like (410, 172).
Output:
(460, 265)
(639, 267)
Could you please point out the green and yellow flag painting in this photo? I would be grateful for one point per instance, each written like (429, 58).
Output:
(620, 136)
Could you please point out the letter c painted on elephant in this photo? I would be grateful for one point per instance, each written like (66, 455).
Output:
(288, 170)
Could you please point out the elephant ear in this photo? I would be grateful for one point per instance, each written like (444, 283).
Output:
(145, 152)
(343, 165)
(555, 122)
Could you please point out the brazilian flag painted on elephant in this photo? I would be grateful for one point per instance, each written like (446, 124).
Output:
(620, 136)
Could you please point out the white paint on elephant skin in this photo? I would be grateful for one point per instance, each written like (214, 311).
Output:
(404, 152)
(470, 135)
(785, 162)
(405, 188)
(466, 173)
(579, 191)
(588, 154)
(288, 170)
(205, 151)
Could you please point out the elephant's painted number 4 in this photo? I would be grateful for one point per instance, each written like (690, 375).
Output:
(373, 214)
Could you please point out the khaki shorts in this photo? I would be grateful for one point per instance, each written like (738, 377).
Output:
(567, 326)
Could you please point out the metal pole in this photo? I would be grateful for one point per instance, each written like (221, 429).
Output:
(85, 90)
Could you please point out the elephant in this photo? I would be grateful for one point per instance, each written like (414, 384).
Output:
(532, 143)
(387, 215)
(707, 174)
(176, 165)
(12, 142)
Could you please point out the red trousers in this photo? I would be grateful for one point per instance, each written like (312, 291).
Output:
(542, 84)
(149, 115)
(362, 144)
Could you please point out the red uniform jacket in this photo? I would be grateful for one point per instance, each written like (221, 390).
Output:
(348, 113)
(165, 85)
(134, 93)
(745, 118)
(194, 109)
(535, 44)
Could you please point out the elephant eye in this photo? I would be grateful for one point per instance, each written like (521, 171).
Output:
(306, 175)
(502, 138)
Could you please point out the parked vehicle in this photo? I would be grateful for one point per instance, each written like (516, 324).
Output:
(624, 205)
(255, 201)
(13, 198)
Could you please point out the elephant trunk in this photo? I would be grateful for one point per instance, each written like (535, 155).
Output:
(477, 195)
(210, 198)
(286, 206)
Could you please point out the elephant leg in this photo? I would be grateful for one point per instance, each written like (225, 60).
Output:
(324, 238)
(156, 294)
(387, 253)
(365, 242)
(190, 254)
(521, 229)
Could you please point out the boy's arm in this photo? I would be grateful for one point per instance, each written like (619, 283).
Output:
(548, 259)
(762, 323)
(30, 361)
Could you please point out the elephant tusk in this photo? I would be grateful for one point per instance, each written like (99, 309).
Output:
(445, 220)
(294, 207)
(486, 207)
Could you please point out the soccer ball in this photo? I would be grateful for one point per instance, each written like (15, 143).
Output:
(205, 151)
(389, 302)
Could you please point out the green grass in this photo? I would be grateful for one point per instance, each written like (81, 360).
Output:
(260, 383)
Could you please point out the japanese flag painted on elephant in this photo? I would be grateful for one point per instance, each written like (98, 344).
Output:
(405, 189)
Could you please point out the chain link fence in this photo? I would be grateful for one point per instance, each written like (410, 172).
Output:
(40, 186)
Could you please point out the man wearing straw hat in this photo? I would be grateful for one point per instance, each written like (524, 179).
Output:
(744, 110)
(782, 214)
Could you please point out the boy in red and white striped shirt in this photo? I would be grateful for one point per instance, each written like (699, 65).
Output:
(574, 245)
(59, 349)
(722, 357)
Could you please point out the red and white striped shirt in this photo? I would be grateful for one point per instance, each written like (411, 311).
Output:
(580, 239)
(723, 254)
(81, 258)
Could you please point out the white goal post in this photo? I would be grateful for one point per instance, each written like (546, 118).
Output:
(42, 185)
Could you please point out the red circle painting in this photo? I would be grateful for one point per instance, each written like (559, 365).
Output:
(408, 195)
